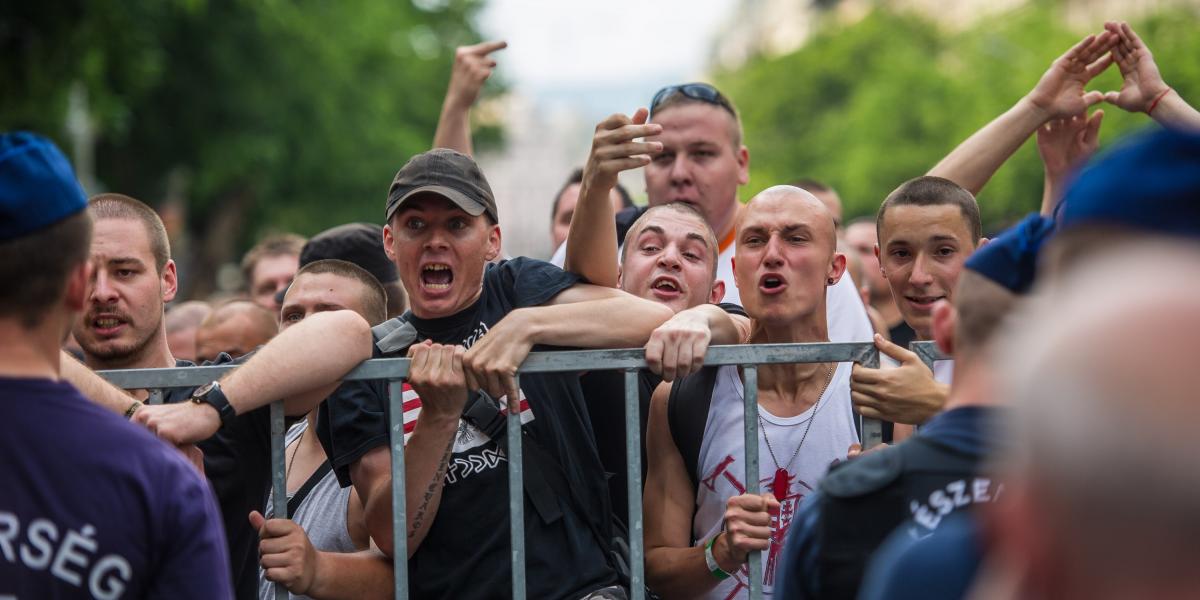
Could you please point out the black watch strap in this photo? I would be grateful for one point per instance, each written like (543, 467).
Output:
(214, 396)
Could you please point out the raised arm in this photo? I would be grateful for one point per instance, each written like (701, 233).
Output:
(1059, 93)
(472, 67)
(592, 240)
(586, 316)
(301, 366)
(1142, 85)
(1064, 144)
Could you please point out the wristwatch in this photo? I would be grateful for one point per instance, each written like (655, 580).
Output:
(212, 395)
(711, 561)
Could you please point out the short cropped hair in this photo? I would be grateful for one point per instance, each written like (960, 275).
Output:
(933, 191)
(810, 185)
(681, 207)
(374, 300)
(983, 307)
(120, 206)
(397, 299)
(576, 178)
(36, 267)
(282, 244)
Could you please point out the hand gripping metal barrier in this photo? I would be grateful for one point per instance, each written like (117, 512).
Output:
(394, 370)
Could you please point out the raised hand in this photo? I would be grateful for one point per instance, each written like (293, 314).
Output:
(1067, 142)
(1141, 83)
(1060, 92)
(472, 68)
(614, 149)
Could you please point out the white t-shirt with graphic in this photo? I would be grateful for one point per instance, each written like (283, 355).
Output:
(721, 462)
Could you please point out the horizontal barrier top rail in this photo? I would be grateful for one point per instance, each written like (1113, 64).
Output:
(537, 362)
(929, 353)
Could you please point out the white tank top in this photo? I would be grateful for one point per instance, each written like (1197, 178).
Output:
(723, 468)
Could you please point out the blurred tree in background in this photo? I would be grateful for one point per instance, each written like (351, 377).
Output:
(261, 114)
(866, 106)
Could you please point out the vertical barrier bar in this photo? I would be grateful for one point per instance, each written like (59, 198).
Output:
(633, 474)
(399, 504)
(516, 492)
(750, 422)
(872, 429)
(278, 476)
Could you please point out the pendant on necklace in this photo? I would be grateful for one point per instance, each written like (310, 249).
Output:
(779, 485)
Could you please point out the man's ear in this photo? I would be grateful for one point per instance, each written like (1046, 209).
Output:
(388, 240)
(982, 242)
(718, 292)
(837, 267)
(170, 281)
(79, 284)
(743, 159)
(943, 321)
(493, 243)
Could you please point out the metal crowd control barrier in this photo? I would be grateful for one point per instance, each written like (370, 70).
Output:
(628, 360)
(929, 353)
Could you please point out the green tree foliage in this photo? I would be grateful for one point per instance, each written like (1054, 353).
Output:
(867, 106)
(289, 115)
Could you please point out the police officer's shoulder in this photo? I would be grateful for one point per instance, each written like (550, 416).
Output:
(865, 474)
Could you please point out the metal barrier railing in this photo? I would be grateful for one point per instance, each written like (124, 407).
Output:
(929, 353)
(394, 370)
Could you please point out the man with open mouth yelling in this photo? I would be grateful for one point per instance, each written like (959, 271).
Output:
(470, 326)
(700, 525)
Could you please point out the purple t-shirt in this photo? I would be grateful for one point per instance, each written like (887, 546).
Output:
(94, 507)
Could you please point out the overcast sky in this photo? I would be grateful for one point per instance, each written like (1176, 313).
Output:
(602, 56)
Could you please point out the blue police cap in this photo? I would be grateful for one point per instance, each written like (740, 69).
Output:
(37, 185)
(1150, 182)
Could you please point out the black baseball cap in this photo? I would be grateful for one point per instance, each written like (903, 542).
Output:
(357, 243)
(447, 173)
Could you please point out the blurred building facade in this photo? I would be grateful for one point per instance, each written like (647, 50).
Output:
(775, 27)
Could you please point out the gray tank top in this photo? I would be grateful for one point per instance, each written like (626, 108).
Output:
(322, 514)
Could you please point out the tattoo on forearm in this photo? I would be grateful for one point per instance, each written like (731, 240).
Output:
(432, 489)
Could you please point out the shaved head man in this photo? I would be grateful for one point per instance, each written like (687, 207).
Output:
(236, 328)
(182, 321)
(700, 525)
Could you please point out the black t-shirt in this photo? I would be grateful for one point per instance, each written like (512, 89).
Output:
(605, 395)
(237, 462)
(465, 553)
(902, 335)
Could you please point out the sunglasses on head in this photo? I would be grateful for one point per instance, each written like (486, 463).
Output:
(696, 91)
